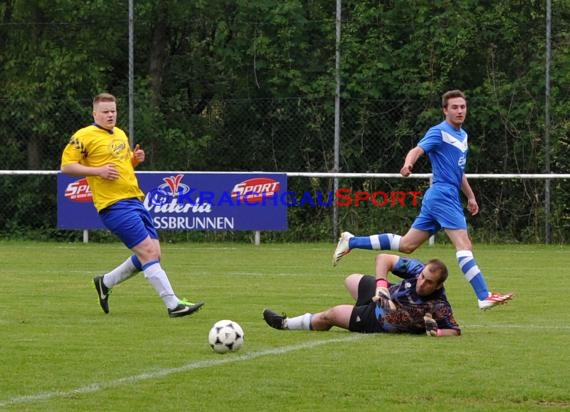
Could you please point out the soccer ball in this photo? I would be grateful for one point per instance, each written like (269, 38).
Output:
(225, 336)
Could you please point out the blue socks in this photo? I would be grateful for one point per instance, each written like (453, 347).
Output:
(383, 241)
(472, 273)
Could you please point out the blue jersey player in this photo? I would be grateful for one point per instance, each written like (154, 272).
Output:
(445, 144)
(101, 152)
(418, 304)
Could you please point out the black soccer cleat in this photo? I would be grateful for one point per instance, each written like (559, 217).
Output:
(102, 292)
(273, 319)
(184, 308)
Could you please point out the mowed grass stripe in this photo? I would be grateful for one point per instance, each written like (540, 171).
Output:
(57, 342)
(161, 373)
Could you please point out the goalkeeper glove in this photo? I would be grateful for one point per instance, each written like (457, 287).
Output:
(383, 298)
(431, 325)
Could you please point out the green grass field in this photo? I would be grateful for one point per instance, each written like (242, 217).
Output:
(59, 352)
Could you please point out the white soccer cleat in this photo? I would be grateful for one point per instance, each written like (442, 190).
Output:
(342, 248)
(494, 299)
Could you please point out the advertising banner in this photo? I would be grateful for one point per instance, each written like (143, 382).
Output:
(188, 201)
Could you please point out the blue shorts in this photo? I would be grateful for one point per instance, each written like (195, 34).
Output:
(130, 221)
(441, 209)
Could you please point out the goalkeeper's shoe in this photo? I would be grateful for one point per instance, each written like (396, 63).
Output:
(184, 308)
(273, 319)
(494, 299)
(102, 292)
(342, 248)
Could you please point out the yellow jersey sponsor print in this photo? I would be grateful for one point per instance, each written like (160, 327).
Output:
(96, 147)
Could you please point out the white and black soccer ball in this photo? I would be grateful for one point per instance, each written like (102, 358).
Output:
(226, 336)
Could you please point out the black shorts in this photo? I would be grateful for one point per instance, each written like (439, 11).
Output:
(363, 318)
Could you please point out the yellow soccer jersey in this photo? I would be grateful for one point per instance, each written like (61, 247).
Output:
(95, 147)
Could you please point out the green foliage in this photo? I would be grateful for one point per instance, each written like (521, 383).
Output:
(241, 85)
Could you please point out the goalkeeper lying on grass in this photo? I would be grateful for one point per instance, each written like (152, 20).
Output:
(418, 304)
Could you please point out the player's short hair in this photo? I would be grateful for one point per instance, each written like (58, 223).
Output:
(450, 95)
(440, 268)
(103, 97)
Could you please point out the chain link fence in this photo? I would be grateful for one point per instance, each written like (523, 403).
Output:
(283, 135)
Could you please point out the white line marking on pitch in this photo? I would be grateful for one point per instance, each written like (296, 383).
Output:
(96, 387)
(511, 326)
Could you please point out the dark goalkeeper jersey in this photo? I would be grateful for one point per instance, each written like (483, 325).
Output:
(410, 307)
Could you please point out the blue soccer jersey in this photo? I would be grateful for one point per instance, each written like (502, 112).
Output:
(446, 148)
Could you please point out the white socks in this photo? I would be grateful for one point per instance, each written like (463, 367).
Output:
(153, 272)
(302, 322)
(158, 279)
(124, 271)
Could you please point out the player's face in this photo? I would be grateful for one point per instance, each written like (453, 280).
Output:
(456, 111)
(428, 281)
(105, 114)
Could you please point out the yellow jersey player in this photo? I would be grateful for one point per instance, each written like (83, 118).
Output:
(102, 154)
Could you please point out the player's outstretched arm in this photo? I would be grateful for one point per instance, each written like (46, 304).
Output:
(434, 331)
(410, 160)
